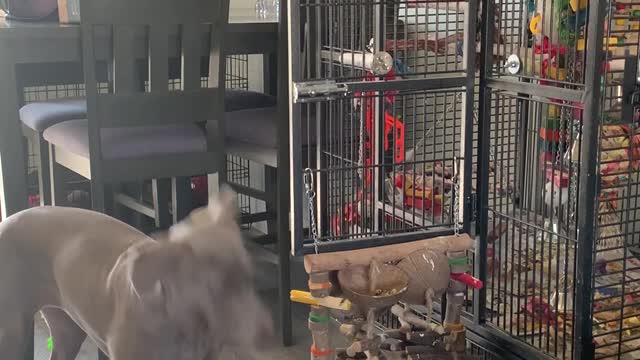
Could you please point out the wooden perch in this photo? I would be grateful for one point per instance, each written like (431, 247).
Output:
(340, 260)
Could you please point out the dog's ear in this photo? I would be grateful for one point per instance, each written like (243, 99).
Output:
(150, 266)
(223, 207)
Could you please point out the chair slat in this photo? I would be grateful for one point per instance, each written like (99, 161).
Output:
(217, 57)
(159, 58)
(191, 37)
(147, 35)
(158, 166)
(115, 110)
(124, 64)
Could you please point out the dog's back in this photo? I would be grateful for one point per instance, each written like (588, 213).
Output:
(181, 298)
(48, 242)
(46, 252)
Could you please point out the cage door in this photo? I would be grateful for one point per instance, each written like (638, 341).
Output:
(381, 121)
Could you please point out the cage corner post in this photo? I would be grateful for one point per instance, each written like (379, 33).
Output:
(466, 141)
(589, 179)
(484, 144)
(294, 111)
(284, 197)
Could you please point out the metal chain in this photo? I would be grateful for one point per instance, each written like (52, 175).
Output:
(559, 153)
(311, 196)
(571, 69)
(361, 140)
(360, 109)
(456, 198)
(573, 163)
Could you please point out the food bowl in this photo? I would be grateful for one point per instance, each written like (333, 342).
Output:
(391, 284)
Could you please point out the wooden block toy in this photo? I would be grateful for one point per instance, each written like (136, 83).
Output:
(304, 297)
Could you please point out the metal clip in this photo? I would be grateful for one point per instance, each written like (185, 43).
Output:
(307, 179)
(513, 64)
(635, 98)
(318, 91)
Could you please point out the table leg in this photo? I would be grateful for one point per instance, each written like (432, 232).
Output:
(181, 198)
(13, 169)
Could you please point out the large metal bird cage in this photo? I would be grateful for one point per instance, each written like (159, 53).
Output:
(558, 179)
(382, 121)
(388, 145)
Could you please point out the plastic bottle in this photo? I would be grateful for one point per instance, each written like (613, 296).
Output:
(275, 9)
(261, 9)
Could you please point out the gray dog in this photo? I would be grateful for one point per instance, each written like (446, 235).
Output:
(183, 298)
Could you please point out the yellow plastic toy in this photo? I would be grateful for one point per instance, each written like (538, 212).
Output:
(577, 5)
(556, 73)
(610, 43)
(304, 297)
(536, 25)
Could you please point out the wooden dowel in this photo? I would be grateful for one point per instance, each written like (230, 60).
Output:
(340, 260)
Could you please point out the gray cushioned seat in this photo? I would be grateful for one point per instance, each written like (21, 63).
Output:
(260, 127)
(131, 142)
(43, 114)
(237, 99)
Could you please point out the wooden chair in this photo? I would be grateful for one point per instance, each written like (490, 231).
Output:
(40, 115)
(131, 134)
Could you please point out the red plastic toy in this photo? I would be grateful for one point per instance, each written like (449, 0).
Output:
(540, 309)
(468, 280)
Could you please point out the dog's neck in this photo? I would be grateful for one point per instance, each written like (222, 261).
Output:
(118, 280)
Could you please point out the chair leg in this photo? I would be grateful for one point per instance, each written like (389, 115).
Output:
(98, 196)
(136, 190)
(56, 180)
(181, 198)
(161, 199)
(118, 210)
(109, 199)
(271, 189)
(44, 173)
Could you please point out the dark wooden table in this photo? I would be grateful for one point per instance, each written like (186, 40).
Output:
(38, 45)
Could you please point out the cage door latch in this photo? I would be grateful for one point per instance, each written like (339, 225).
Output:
(314, 91)
(634, 99)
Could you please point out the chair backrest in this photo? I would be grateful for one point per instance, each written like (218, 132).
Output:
(153, 31)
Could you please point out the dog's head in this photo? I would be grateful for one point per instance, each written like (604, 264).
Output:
(195, 292)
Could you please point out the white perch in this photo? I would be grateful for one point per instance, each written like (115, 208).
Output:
(356, 59)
